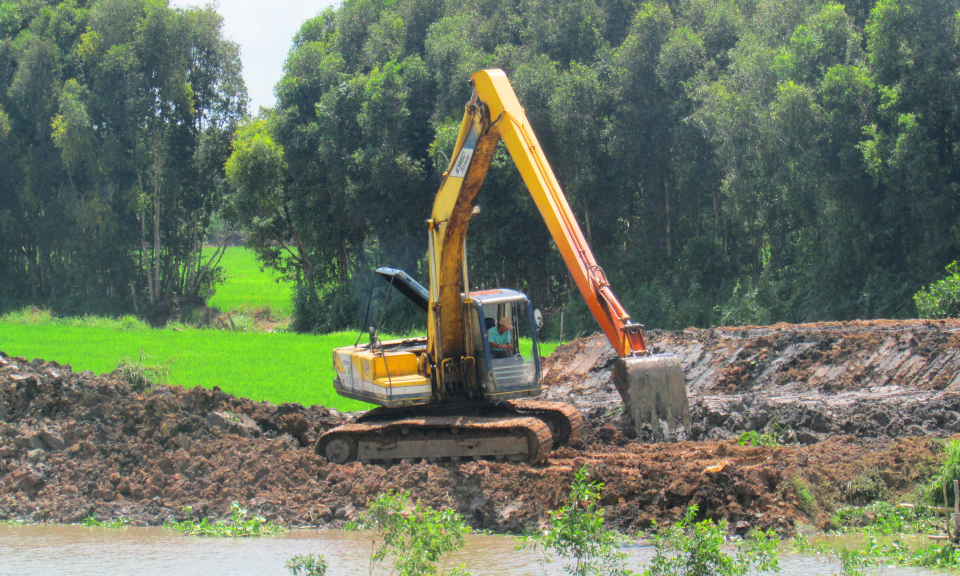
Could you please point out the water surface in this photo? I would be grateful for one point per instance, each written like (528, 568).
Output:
(48, 550)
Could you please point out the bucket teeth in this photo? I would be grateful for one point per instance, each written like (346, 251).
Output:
(653, 388)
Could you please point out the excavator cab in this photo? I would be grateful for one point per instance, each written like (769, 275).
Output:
(505, 375)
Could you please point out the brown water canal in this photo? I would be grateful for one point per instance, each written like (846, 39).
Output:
(48, 550)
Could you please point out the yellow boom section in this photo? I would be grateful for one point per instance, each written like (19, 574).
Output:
(492, 114)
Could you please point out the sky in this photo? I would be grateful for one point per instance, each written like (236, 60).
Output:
(264, 29)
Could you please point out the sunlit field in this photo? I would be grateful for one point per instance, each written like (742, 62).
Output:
(248, 288)
(278, 367)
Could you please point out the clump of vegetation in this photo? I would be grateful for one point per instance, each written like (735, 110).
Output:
(857, 559)
(13, 522)
(237, 526)
(806, 499)
(94, 522)
(883, 518)
(865, 488)
(754, 438)
(417, 537)
(945, 475)
(691, 548)
(577, 534)
(32, 315)
(307, 565)
(942, 299)
(142, 374)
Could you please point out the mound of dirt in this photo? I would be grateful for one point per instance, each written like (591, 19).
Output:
(870, 379)
(74, 444)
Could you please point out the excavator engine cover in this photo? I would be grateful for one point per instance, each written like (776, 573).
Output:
(653, 389)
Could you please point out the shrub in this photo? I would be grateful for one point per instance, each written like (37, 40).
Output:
(417, 537)
(141, 375)
(944, 476)
(307, 565)
(238, 525)
(805, 497)
(942, 299)
(578, 536)
(695, 549)
(754, 438)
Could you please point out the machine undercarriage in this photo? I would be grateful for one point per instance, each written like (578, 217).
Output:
(515, 431)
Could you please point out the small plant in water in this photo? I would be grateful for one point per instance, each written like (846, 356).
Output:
(577, 534)
(417, 537)
(93, 521)
(238, 525)
(883, 518)
(692, 548)
(142, 375)
(307, 565)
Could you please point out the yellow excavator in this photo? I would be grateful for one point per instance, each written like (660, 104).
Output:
(467, 390)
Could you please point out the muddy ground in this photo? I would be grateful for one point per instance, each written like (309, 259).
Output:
(872, 379)
(859, 404)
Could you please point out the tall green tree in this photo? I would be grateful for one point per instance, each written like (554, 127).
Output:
(121, 112)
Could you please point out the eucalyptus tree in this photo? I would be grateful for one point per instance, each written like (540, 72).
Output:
(122, 111)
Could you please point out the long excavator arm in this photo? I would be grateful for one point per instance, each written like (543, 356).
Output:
(651, 385)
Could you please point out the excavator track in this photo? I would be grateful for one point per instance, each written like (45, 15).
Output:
(438, 438)
(564, 420)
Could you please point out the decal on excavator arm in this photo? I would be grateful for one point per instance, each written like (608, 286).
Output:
(466, 154)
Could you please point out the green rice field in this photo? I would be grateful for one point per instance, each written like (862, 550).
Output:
(274, 366)
(250, 288)
(277, 367)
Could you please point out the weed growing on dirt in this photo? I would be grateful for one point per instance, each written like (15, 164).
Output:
(882, 518)
(754, 438)
(866, 487)
(577, 534)
(806, 499)
(945, 475)
(307, 565)
(692, 548)
(142, 375)
(237, 526)
(94, 522)
(417, 537)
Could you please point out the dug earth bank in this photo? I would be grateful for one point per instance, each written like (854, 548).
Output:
(858, 406)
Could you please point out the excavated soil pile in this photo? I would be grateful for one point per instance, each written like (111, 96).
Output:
(74, 444)
(871, 379)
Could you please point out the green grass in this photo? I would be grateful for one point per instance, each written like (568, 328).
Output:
(278, 367)
(250, 288)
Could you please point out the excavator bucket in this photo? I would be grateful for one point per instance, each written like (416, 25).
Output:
(653, 389)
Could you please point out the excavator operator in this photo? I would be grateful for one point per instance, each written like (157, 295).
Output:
(499, 337)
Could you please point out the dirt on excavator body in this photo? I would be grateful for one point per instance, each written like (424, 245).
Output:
(857, 404)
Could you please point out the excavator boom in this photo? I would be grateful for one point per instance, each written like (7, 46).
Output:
(652, 386)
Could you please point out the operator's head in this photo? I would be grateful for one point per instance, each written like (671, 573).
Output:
(504, 325)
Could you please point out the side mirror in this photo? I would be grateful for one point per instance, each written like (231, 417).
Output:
(538, 318)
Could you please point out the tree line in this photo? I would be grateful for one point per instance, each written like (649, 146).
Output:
(730, 161)
(115, 122)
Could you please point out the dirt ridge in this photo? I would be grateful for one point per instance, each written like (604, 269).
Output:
(72, 444)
